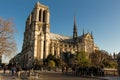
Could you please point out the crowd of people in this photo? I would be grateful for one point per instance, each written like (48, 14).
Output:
(14, 69)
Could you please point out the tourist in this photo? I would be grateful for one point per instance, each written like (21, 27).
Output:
(18, 70)
(13, 69)
(4, 68)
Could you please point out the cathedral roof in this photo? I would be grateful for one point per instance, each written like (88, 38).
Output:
(54, 36)
(59, 37)
(68, 39)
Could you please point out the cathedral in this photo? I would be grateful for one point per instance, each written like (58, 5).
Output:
(39, 42)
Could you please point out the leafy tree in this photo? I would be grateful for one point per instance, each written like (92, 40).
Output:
(81, 59)
(67, 58)
(112, 64)
(51, 64)
(50, 58)
(7, 42)
(58, 62)
(61, 63)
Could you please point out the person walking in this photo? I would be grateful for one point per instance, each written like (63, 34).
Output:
(4, 68)
(13, 69)
(18, 70)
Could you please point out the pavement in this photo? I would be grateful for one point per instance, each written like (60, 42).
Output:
(8, 76)
(42, 75)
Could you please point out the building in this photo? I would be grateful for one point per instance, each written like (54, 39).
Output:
(39, 42)
(16, 59)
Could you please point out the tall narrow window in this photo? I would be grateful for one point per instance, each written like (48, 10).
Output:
(40, 14)
(44, 16)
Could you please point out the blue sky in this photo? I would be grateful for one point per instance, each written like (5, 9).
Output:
(102, 17)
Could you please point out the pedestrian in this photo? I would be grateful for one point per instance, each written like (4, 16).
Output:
(18, 70)
(4, 68)
(27, 70)
(13, 69)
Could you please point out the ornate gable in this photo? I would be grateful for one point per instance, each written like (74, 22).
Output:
(88, 36)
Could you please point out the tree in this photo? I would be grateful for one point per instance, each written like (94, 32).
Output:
(51, 63)
(81, 59)
(101, 58)
(38, 63)
(67, 58)
(49, 58)
(60, 63)
(7, 42)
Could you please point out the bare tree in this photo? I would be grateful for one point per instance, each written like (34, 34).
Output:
(100, 58)
(7, 41)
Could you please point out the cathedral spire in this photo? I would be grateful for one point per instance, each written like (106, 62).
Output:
(75, 35)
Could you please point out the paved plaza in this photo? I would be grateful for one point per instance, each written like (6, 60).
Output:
(42, 76)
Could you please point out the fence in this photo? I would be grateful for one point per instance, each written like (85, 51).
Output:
(110, 72)
(94, 72)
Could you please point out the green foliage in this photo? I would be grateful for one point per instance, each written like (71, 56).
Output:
(99, 58)
(111, 64)
(50, 58)
(81, 59)
(51, 63)
(62, 63)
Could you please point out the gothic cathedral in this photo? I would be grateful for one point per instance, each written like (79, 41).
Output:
(39, 42)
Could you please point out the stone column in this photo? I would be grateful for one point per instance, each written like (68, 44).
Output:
(48, 17)
(35, 46)
(47, 48)
(47, 39)
(38, 47)
(52, 49)
(41, 46)
(41, 15)
(37, 14)
(58, 50)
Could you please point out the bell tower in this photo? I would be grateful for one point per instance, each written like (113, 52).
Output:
(41, 24)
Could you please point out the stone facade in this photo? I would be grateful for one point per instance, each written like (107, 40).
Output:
(39, 42)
